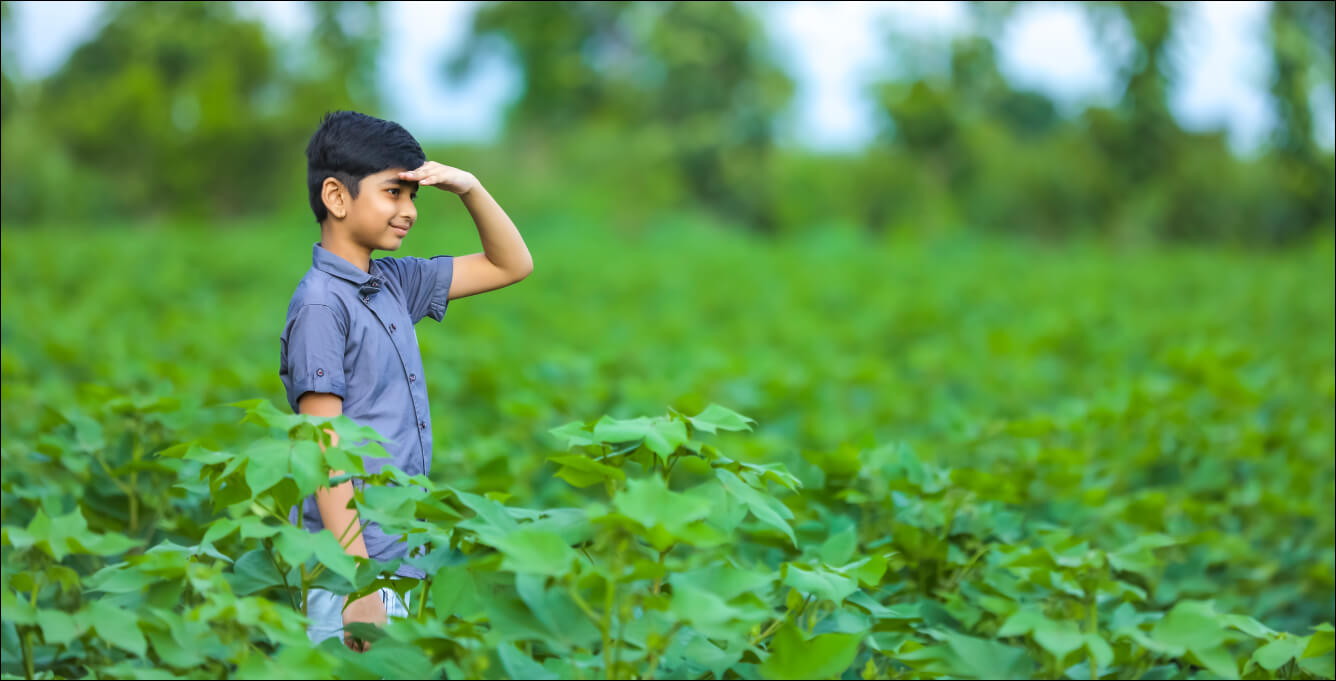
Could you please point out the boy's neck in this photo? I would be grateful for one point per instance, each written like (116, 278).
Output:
(346, 248)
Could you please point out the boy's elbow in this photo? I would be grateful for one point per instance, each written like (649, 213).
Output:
(524, 271)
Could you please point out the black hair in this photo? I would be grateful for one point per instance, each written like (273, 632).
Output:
(348, 146)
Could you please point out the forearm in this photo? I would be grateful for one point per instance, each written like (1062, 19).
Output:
(332, 503)
(501, 240)
(339, 519)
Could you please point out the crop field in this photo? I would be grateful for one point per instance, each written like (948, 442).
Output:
(687, 453)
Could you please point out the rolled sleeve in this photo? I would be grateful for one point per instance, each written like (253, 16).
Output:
(443, 267)
(313, 354)
(425, 283)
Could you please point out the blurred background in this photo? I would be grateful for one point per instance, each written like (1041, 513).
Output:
(1132, 121)
(1080, 254)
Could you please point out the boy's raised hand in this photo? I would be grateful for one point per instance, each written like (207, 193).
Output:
(443, 176)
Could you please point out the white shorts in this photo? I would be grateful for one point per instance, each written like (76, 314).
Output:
(325, 610)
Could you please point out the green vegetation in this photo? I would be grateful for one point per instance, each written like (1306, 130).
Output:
(726, 456)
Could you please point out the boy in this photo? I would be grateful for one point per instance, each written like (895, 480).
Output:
(348, 345)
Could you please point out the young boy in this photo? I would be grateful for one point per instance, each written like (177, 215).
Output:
(348, 345)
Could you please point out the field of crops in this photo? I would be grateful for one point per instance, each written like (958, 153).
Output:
(687, 454)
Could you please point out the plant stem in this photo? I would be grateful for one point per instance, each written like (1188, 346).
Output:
(609, 596)
(1094, 630)
(774, 626)
(955, 579)
(579, 601)
(27, 638)
(135, 453)
(27, 652)
(268, 551)
(655, 655)
(422, 600)
(658, 581)
(305, 589)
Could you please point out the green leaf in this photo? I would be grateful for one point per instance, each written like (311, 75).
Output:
(1317, 658)
(307, 464)
(820, 582)
(521, 666)
(330, 554)
(294, 545)
(709, 614)
(489, 512)
(1322, 641)
(718, 417)
(1023, 622)
(728, 581)
(767, 509)
(839, 547)
(1248, 626)
(119, 578)
(661, 435)
(266, 464)
(534, 551)
(253, 572)
(582, 471)
(115, 625)
(573, 434)
(1191, 625)
(867, 571)
(1275, 654)
(976, 658)
(822, 657)
(649, 502)
(1217, 660)
(1059, 638)
(16, 610)
(453, 592)
(58, 628)
(1099, 649)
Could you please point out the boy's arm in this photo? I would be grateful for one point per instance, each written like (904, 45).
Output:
(505, 258)
(333, 502)
(334, 513)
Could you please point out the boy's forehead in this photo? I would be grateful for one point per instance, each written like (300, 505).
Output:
(390, 176)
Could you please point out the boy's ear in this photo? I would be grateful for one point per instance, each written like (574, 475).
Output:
(336, 198)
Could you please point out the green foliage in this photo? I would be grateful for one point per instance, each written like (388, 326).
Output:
(1052, 464)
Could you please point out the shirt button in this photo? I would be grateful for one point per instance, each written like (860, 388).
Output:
(375, 284)
(392, 327)
(319, 372)
(412, 377)
(366, 299)
(422, 424)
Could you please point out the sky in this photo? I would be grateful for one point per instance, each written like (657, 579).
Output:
(832, 49)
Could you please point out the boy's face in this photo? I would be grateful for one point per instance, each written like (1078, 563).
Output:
(382, 213)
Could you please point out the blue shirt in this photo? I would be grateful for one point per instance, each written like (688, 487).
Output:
(350, 333)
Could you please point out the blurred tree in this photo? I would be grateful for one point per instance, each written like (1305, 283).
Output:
(183, 108)
(1301, 37)
(694, 74)
(563, 51)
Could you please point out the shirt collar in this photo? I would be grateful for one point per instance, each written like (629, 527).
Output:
(328, 262)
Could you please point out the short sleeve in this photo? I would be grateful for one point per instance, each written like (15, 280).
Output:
(313, 348)
(425, 283)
